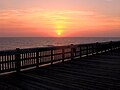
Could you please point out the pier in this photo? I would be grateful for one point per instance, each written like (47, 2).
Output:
(94, 66)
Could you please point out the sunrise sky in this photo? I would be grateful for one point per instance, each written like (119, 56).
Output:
(63, 18)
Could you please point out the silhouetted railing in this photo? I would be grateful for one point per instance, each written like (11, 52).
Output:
(19, 59)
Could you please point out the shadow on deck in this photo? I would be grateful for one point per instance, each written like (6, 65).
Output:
(98, 72)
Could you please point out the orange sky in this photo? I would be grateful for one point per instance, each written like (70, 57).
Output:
(50, 19)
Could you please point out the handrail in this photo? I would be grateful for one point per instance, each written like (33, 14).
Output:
(19, 59)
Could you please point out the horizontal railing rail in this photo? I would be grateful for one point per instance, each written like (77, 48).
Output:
(19, 59)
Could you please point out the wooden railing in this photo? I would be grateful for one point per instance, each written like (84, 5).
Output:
(19, 59)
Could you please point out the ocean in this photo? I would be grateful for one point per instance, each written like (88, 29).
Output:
(10, 43)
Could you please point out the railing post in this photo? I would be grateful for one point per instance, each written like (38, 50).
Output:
(63, 55)
(80, 52)
(72, 52)
(87, 50)
(119, 44)
(106, 46)
(111, 45)
(92, 49)
(37, 59)
(17, 60)
(51, 56)
(97, 47)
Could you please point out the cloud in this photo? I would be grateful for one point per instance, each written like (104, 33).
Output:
(109, 0)
(41, 18)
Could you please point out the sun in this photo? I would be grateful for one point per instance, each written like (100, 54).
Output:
(59, 33)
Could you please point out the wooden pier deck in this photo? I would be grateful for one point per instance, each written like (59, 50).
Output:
(97, 72)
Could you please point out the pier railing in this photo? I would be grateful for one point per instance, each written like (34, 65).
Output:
(20, 59)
